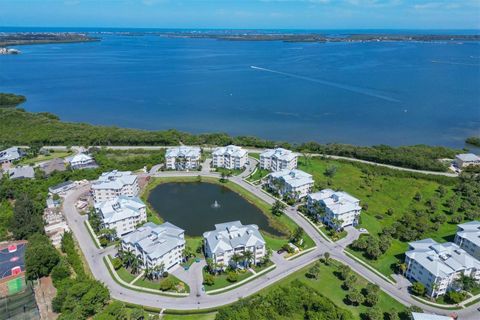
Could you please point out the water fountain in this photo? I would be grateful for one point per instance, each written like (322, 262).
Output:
(216, 205)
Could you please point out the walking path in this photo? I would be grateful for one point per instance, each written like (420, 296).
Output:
(198, 300)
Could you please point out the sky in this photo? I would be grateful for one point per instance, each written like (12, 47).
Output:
(244, 14)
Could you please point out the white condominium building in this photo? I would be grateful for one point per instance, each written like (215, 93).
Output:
(233, 238)
(157, 245)
(122, 214)
(292, 183)
(81, 161)
(229, 157)
(182, 158)
(341, 209)
(438, 265)
(468, 238)
(113, 184)
(467, 159)
(10, 155)
(278, 159)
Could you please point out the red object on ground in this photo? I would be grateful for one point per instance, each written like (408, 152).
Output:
(12, 248)
(16, 271)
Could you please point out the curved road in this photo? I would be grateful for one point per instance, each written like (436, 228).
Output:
(94, 259)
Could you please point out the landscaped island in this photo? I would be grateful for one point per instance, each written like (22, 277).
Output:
(24, 38)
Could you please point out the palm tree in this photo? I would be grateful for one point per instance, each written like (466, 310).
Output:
(136, 264)
(248, 257)
(267, 256)
(148, 274)
(127, 258)
(158, 270)
(236, 258)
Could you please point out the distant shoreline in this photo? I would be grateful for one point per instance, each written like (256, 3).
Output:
(29, 38)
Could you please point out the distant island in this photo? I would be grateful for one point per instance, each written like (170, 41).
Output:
(24, 38)
(314, 37)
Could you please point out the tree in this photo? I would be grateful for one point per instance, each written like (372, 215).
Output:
(418, 289)
(277, 208)
(326, 257)
(314, 271)
(392, 315)
(354, 297)
(236, 258)
(167, 284)
(248, 257)
(232, 276)
(455, 297)
(297, 236)
(117, 263)
(114, 311)
(344, 271)
(26, 219)
(60, 272)
(208, 279)
(330, 171)
(371, 298)
(137, 314)
(350, 282)
(417, 197)
(40, 257)
(136, 264)
(267, 256)
(374, 313)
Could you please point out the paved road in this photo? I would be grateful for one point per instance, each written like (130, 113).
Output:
(94, 259)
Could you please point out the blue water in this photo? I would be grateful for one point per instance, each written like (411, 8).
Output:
(362, 93)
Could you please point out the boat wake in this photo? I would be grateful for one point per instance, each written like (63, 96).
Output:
(359, 90)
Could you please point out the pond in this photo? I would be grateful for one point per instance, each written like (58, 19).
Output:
(198, 206)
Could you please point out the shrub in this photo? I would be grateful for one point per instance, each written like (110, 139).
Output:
(167, 284)
(208, 279)
(117, 263)
(232, 276)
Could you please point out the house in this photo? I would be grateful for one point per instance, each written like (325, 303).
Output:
(157, 245)
(233, 238)
(278, 159)
(12, 267)
(25, 172)
(426, 316)
(340, 209)
(10, 155)
(291, 183)
(62, 187)
(121, 214)
(81, 161)
(53, 165)
(55, 225)
(182, 158)
(438, 265)
(113, 184)
(467, 159)
(468, 238)
(229, 157)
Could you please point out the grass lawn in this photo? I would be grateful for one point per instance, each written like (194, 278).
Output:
(330, 286)
(125, 275)
(222, 282)
(155, 284)
(234, 172)
(49, 156)
(381, 192)
(254, 155)
(259, 174)
(283, 223)
(199, 316)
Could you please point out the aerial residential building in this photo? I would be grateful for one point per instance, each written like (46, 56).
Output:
(438, 265)
(113, 184)
(122, 214)
(467, 159)
(291, 183)
(62, 187)
(233, 238)
(55, 225)
(10, 155)
(278, 159)
(157, 245)
(340, 208)
(25, 172)
(82, 161)
(182, 158)
(229, 157)
(468, 238)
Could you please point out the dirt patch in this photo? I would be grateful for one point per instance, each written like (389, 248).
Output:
(44, 293)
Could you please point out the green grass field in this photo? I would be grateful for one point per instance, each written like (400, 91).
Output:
(259, 174)
(330, 286)
(380, 192)
(155, 284)
(125, 275)
(49, 156)
(222, 282)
